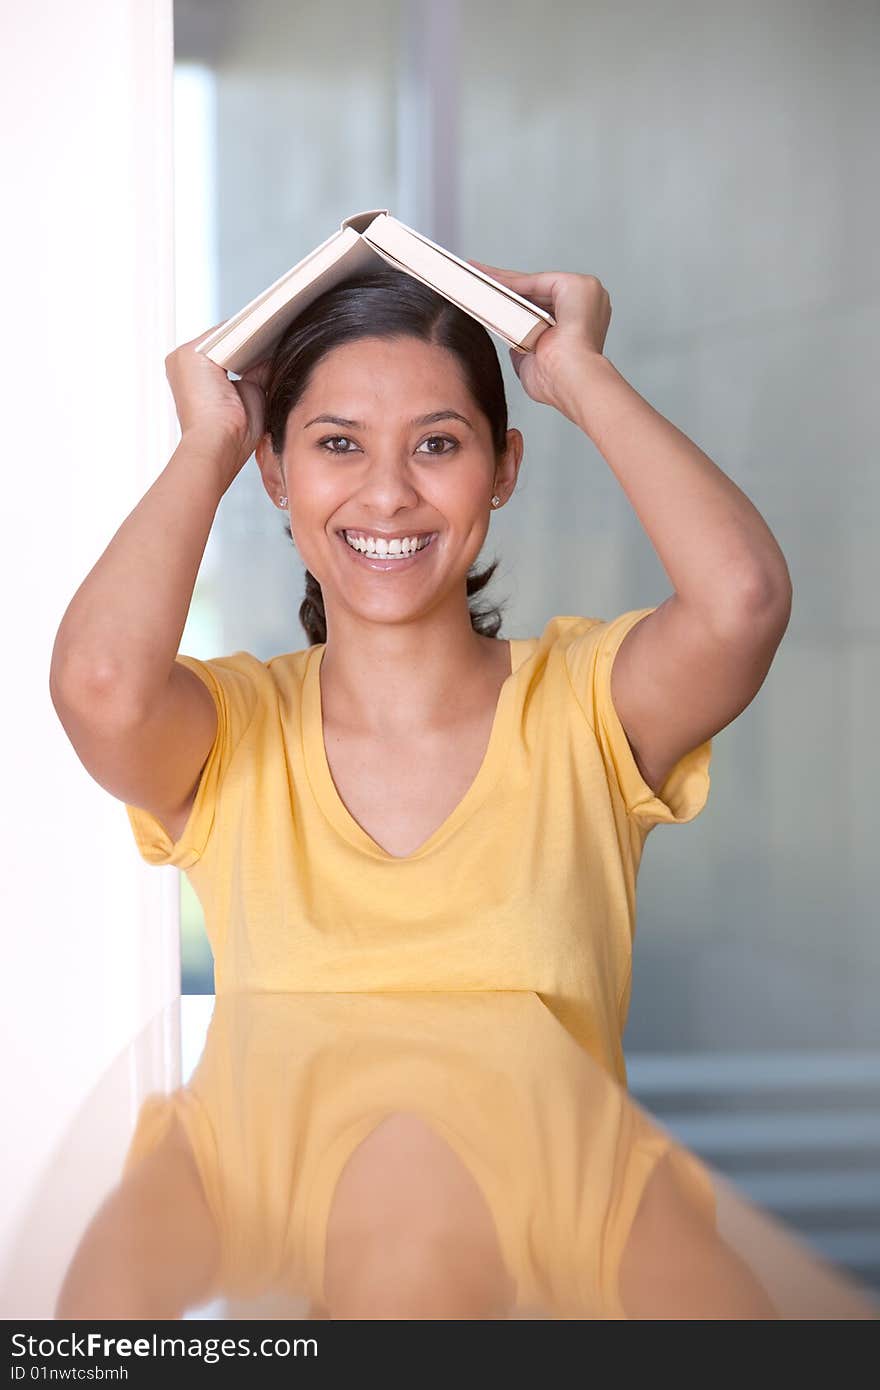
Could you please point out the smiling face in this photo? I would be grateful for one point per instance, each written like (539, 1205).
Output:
(388, 443)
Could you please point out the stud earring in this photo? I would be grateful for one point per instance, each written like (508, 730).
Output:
(495, 501)
(282, 501)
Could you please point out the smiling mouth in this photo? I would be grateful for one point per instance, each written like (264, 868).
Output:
(376, 560)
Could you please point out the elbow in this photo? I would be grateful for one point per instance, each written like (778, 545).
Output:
(766, 597)
(759, 603)
(83, 686)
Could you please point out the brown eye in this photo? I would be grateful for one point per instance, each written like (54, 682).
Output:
(330, 438)
(444, 439)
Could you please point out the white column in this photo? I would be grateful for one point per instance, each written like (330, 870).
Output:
(427, 120)
(90, 942)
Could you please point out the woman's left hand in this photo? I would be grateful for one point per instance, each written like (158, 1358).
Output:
(553, 373)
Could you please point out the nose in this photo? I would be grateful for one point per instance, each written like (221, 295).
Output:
(388, 485)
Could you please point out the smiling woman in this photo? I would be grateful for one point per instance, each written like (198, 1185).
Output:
(408, 803)
(340, 340)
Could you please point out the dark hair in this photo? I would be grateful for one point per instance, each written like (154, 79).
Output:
(384, 303)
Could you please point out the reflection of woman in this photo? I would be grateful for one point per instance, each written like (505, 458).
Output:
(566, 1196)
(411, 802)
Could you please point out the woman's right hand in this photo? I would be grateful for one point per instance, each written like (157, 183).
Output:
(230, 414)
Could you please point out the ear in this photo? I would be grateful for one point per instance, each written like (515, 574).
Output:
(507, 470)
(271, 468)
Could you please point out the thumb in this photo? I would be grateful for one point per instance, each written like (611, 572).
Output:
(254, 405)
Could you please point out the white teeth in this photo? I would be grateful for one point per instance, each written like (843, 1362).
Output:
(399, 547)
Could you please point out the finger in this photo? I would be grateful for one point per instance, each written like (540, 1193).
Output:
(258, 373)
(496, 270)
(207, 332)
(538, 286)
(499, 271)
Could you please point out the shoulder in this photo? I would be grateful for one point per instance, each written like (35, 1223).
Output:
(246, 666)
(560, 635)
(587, 639)
(246, 688)
(565, 628)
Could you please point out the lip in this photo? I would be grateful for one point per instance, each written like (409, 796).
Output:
(383, 564)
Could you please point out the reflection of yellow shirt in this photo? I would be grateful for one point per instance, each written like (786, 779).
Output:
(529, 884)
(288, 1086)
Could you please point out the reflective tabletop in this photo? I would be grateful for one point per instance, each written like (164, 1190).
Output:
(402, 1156)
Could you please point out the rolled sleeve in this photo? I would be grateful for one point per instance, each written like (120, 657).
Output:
(234, 693)
(589, 658)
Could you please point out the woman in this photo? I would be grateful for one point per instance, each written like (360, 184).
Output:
(412, 802)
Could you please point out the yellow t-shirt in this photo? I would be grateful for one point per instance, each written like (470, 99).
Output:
(529, 884)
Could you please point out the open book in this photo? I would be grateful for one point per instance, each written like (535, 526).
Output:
(250, 335)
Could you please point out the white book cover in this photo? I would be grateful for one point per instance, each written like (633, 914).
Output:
(250, 335)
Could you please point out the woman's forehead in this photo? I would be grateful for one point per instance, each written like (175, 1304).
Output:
(357, 379)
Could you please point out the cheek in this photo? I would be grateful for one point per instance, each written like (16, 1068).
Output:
(315, 493)
(460, 491)
(314, 500)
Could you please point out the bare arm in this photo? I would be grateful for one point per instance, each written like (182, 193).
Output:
(121, 631)
(687, 670)
(141, 724)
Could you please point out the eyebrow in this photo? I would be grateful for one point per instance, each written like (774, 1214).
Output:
(419, 420)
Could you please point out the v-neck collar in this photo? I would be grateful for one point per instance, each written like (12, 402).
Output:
(324, 788)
